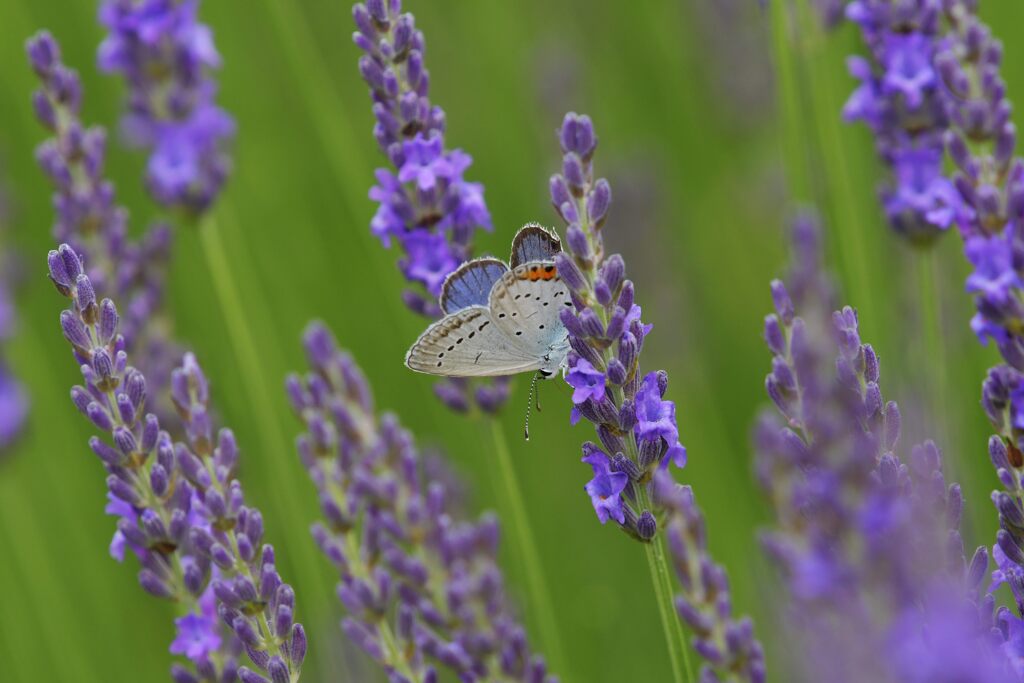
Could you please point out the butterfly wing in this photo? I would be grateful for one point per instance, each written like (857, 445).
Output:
(534, 243)
(525, 305)
(467, 344)
(470, 284)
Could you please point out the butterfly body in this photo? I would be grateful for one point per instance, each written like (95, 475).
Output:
(500, 320)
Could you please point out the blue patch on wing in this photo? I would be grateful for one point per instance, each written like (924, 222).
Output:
(534, 243)
(470, 284)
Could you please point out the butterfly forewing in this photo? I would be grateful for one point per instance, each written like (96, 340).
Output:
(534, 243)
(468, 344)
(525, 305)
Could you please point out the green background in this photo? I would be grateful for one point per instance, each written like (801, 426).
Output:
(706, 134)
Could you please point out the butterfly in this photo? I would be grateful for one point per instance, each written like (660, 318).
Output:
(500, 319)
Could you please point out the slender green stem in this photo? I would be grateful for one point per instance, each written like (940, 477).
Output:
(791, 115)
(838, 185)
(661, 579)
(813, 140)
(274, 445)
(529, 555)
(933, 364)
(678, 650)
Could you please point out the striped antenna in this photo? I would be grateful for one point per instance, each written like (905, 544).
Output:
(533, 395)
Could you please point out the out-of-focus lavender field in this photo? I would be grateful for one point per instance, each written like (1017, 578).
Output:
(716, 120)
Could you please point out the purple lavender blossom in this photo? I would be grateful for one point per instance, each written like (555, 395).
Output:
(606, 334)
(14, 402)
(13, 407)
(605, 489)
(421, 587)
(89, 219)
(587, 382)
(990, 178)
(180, 509)
(165, 55)
(251, 597)
(424, 202)
(903, 101)
(425, 199)
(656, 419)
(854, 522)
(1002, 397)
(635, 424)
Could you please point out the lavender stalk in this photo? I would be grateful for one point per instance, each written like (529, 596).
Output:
(869, 546)
(89, 218)
(168, 60)
(181, 510)
(165, 53)
(426, 205)
(904, 102)
(635, 425)
(421, 587)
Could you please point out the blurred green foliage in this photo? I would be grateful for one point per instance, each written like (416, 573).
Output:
(683, 96)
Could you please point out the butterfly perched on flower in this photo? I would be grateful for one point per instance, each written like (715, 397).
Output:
(500, 319)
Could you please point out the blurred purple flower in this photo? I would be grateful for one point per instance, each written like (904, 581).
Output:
(428, 259)
(921, 190)
(428, 199)
(901, 98)
(907, 67)
(165, 55)
(853, 521)
(13, 407)
(994, 278)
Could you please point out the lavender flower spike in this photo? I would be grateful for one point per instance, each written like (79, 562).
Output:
(421, 587)
(635, 424)
(181, 510)
(854, 522)
(165, 55)
(903, 101)
(89, 219)
(990, 178)
(426, 205)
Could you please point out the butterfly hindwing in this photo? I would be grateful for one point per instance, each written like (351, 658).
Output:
(470, 284)
(534, 243)
(525, 305)
(467, 344)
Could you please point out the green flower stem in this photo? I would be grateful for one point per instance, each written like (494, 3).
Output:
(661, 579)
(526, 549)
(934, 374)
(275, 449)
(820, 167)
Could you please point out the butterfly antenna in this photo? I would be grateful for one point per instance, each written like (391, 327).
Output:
(529, 403)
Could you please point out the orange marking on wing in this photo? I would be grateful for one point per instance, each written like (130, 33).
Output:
(537, 273)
